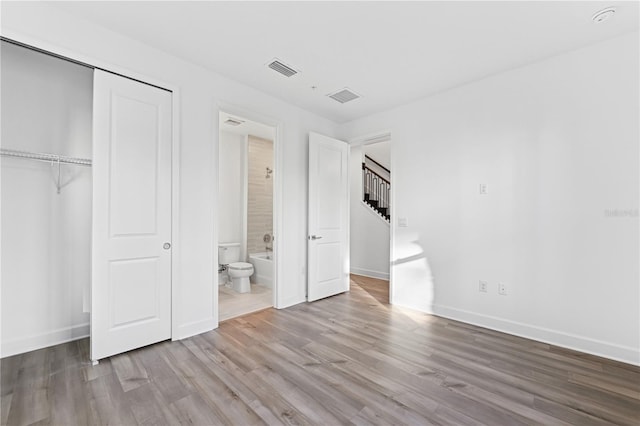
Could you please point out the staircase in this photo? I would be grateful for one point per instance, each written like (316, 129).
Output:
(376, 187)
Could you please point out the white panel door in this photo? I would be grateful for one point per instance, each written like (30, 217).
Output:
(328, 239)
(131, 249)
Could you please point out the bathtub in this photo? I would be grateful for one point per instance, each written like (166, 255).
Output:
(263, 268)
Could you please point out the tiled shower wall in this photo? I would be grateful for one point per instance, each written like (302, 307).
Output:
(260, 193)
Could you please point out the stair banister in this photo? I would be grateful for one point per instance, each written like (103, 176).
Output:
(376, 189)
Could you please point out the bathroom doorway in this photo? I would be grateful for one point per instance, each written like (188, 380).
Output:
(246, 257)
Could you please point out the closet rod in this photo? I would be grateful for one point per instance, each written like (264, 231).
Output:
(49, 158)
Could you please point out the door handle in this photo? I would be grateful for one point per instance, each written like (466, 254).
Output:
(166, 246)
(314, 237)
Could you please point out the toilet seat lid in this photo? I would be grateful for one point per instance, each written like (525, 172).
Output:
(240, 266)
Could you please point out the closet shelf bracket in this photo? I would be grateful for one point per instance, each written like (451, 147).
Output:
(53, 159)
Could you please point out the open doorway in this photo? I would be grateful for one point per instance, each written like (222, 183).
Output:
(371, 213)
(246, 256)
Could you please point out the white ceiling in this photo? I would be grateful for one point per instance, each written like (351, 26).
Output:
(389, 52)
(248, 127)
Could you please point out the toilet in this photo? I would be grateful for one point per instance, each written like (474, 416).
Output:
(239, 272)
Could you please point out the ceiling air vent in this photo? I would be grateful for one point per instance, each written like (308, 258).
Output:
(233, 122)
(283, 69)
(344, 95)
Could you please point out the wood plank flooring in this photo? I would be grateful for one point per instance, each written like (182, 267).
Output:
(348, 359)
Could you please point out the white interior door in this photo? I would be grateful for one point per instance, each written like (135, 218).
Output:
(328, 239)
(131, 249)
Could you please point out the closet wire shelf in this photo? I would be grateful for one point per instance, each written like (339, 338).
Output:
(49, 158)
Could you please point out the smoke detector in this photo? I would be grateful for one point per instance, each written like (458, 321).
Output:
(603, 15)
(344, 95)
(282, 68)
(233, 121)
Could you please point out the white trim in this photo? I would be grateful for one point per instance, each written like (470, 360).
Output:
(558, 338)
(371, 138)
(392, 214)
(175, 148)
(176, 298)
(44, 340)
(562, 339)
(369, 273)
(215, 178)
(348, 243)
(244, 249)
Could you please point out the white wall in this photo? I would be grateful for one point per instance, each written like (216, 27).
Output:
(557, 144)
(381, 152)
(369, 232)
(201, 96)
(46, 237)
(231, 187)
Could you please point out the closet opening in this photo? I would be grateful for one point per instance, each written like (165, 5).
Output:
(46, 198)
(86, 205)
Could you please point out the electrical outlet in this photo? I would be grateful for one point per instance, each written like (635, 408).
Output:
(483, 286)
(483, 189)
(502, 289)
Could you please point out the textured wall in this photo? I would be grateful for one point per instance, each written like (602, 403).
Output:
(260, 194)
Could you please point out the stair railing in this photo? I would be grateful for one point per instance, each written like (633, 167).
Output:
(376, 191)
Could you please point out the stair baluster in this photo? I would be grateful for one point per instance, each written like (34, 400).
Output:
(376, 192)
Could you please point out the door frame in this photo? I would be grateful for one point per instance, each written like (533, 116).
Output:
(63, 53)
(278, 183)
(371, 138)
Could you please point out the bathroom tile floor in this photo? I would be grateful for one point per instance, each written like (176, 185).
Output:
(232, 304)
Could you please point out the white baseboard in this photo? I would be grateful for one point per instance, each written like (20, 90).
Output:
(195, 327)
(44, 340)
(600, 348)
(370, 273)
(68, 334)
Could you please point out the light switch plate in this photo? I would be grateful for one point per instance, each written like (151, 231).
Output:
(403, 222)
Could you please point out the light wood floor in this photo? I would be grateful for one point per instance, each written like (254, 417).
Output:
(232, 304)
(348, 359)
